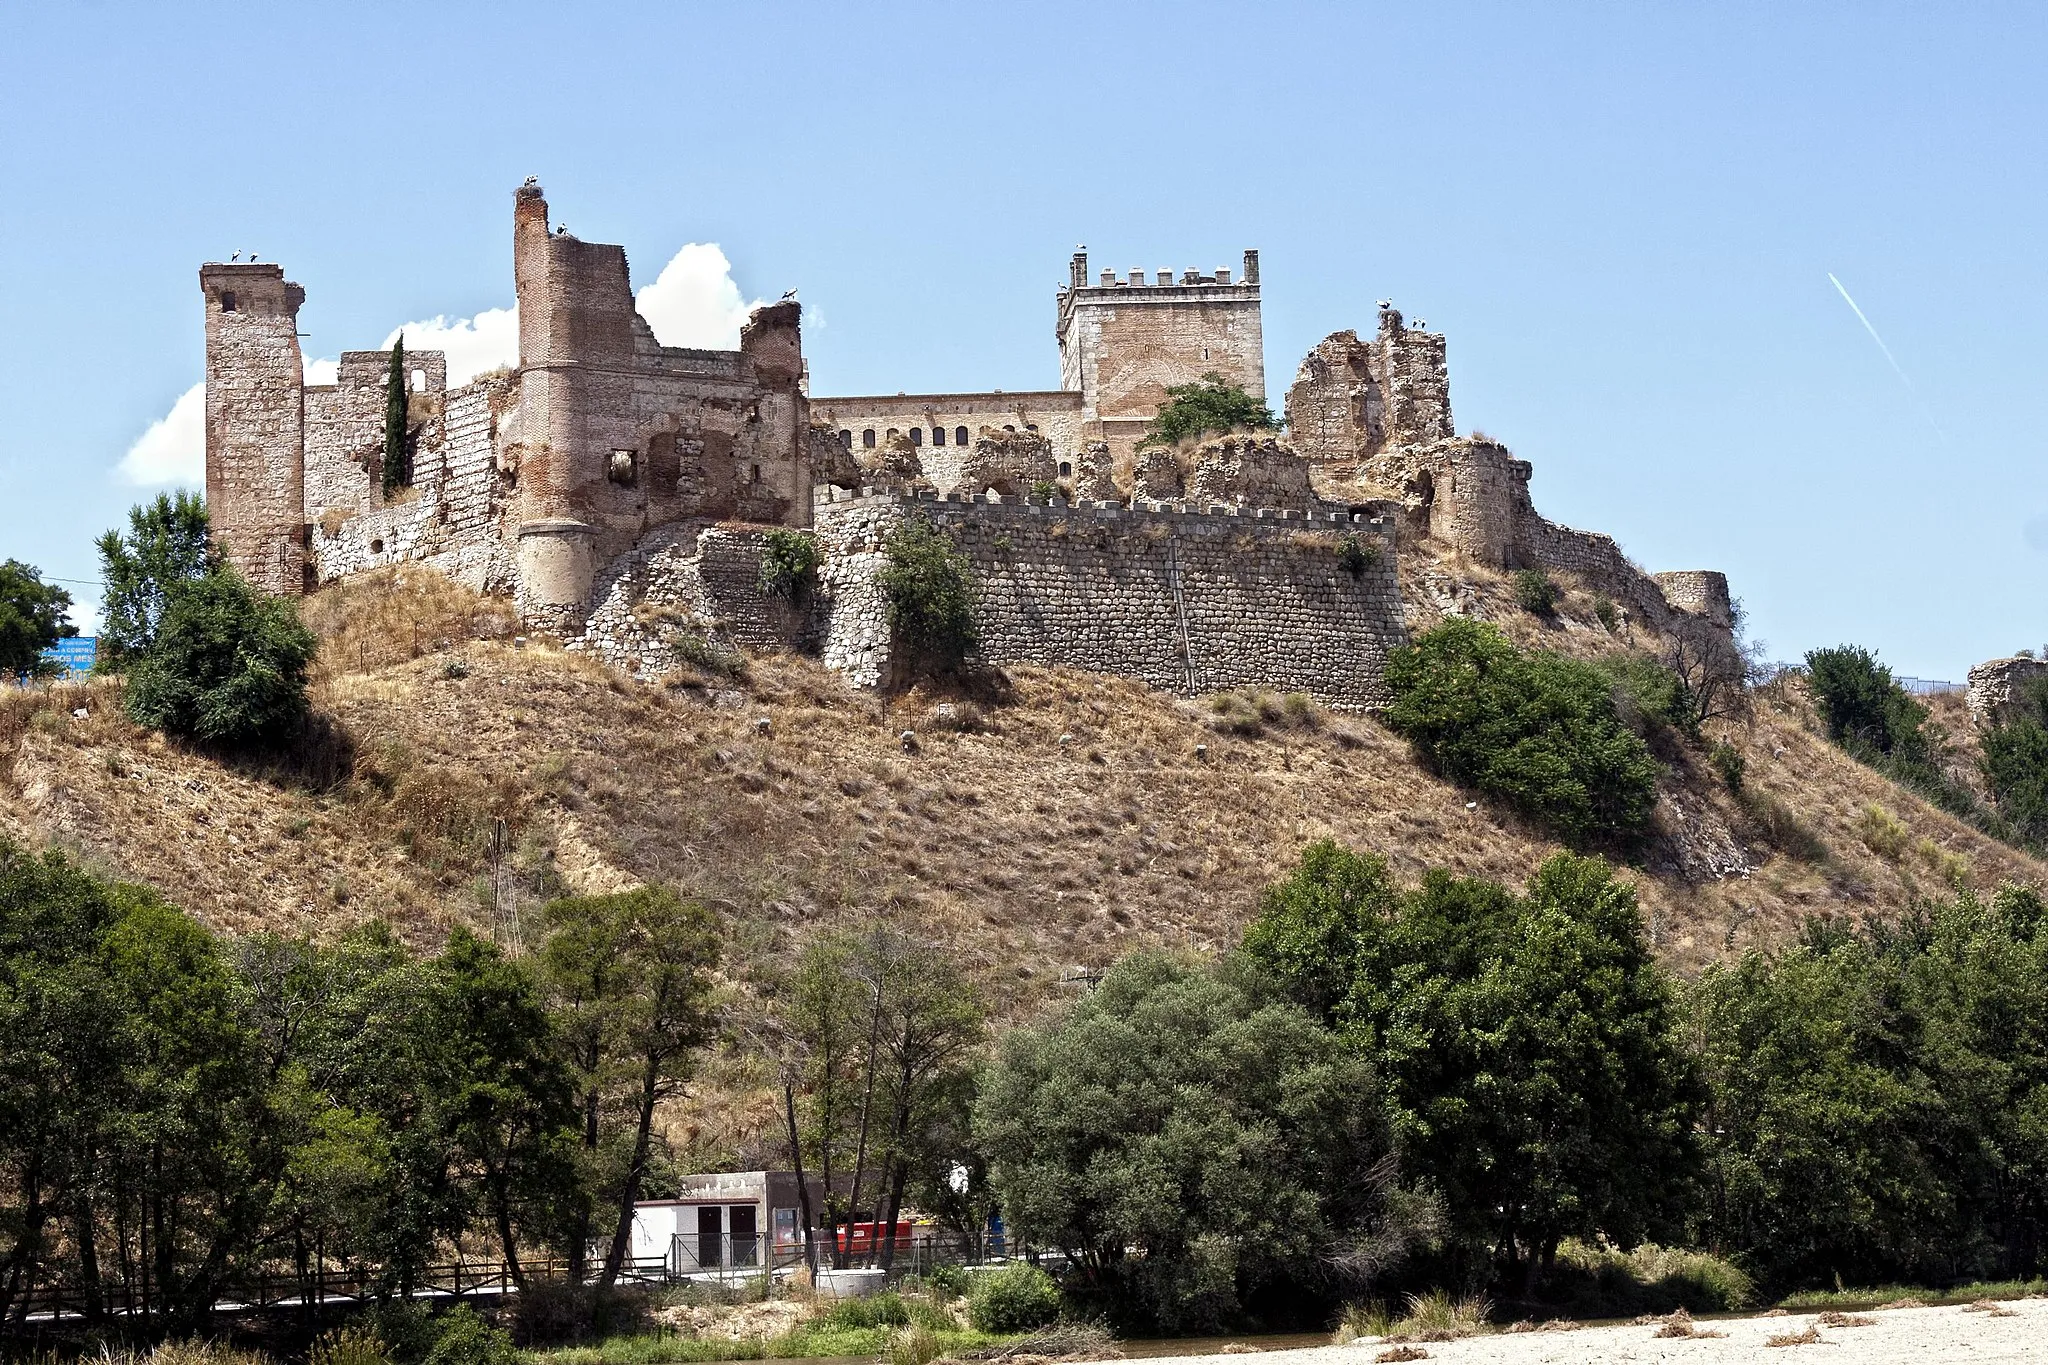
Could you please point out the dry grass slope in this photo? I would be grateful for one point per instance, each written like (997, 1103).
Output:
(1058, 826)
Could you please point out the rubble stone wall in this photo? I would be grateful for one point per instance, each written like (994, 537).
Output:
(1188, 601)
(1995, 687)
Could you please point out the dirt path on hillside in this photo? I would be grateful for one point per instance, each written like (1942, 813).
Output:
(1896, 1336)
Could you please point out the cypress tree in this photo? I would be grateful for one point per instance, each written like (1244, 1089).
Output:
(397, 470)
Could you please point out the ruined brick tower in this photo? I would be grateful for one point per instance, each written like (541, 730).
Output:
(255, 422)
(1124, 342)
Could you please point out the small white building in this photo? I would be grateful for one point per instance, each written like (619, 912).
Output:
(734, 1221)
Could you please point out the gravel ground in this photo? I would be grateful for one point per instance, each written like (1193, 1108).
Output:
(1895, 1336)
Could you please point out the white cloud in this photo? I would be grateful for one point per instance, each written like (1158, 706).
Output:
(173, 450)
(472, 345)
(692, 302)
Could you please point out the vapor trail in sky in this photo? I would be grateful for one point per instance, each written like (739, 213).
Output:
(1897, 368)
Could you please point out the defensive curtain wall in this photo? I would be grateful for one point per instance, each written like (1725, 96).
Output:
(622, 491)
(1189, 600)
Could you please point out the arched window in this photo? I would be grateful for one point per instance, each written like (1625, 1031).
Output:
(867, 438)
(227, 300)
(1008, 427)
(1066, 468)
(917, 437)
(938, 436)
(846, 439)
(1031, 426)
(419, 381)
(959, 436)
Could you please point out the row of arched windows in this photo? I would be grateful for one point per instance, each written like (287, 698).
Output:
(960, 438)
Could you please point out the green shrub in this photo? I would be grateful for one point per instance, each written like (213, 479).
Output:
(1651, 696)
(1016, 1298)
(462, 1337)
(1045, 490)
(1355, 556)
(947, 1282)
(929, 588)
(1535, 593)
(1881, 725)
(1605, 612)
(1600, 1281)
(789, 563)
(693, 645)
(1729, 763)
(228, 665)
(1534, 730)
(1210, 405)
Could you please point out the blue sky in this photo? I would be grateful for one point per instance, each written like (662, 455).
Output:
(1623, 215)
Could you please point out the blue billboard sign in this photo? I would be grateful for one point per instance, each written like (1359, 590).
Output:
(76, 655)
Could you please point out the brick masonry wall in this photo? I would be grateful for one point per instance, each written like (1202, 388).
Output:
(1191, 602)
(453, 517)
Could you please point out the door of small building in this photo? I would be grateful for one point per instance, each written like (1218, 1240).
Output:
(710, 1233)
(746, 1234)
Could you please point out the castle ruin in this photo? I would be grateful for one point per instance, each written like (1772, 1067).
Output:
(621, 491)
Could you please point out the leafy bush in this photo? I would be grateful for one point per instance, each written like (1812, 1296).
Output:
(947, 1282)
(1650, 696)
(1355, 556)
(1882, 833)
(1045, 490)
(1535, 593)
(228, 665)
(1536, 730)
(1881, 725)
(1210, 405)
(1015, 1298)
(463, 1337)
(693, 645)
(1606, 613)
(789, 563)
(1729, 763)
(929, 588)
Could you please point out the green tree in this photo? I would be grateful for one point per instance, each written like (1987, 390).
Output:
(166, 548)
(1209, 405)
(1194, 1148)
(1537, 731)
(1880, 1099)
(511, 1106)
(397, 436)
(1527, 1045)
(31, 618)
(928, 586)
(1880, 724)
(628, 976)
(228, 665)
(58, 1066)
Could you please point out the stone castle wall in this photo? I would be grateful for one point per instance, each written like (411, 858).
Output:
(255, 422)
(1996, 684)
(453, 517)
(1188, 601)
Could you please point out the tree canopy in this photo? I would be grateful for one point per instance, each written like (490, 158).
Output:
(228, 664)
(32, 618)
(1526, 1045)
(165, 548)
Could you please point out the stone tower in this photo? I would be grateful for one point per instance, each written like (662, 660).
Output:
(1124, 342)
(255, 423)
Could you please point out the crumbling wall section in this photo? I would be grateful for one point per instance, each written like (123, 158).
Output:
(454, 517)
(1188, 601)
(694, 582)
(1240, 471)
(1996, 686)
